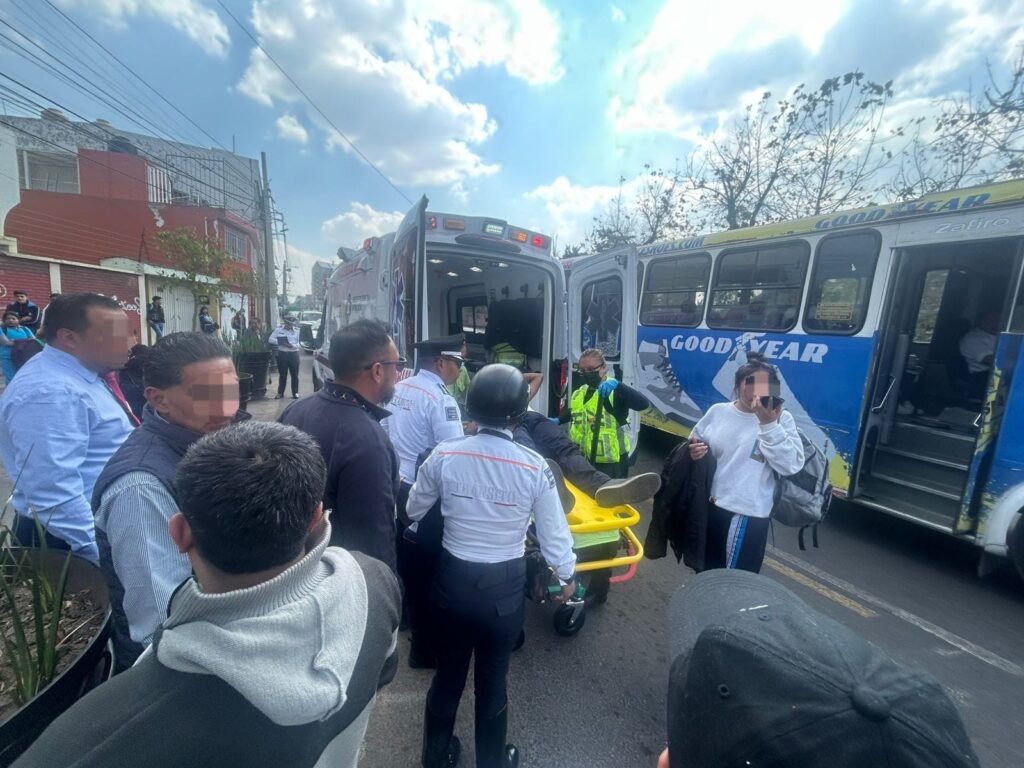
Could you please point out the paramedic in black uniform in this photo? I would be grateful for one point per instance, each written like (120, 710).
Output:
(489, 488)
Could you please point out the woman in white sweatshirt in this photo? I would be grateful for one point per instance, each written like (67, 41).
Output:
(752, 442)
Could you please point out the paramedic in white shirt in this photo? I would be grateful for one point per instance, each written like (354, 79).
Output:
(285, 339)
(423, 413)
(978, 348)
(489, 488)
(750, 443)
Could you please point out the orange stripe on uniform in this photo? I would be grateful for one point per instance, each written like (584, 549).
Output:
(490, 458)
(431, 395)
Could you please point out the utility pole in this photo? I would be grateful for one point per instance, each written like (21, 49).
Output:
(269, 315)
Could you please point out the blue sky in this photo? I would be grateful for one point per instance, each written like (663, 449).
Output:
(524, 110)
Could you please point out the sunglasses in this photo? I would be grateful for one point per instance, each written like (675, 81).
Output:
(399, 363)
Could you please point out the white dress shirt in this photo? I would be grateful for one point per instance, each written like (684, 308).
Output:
(489, 489)
(292, 335)
(423, 413)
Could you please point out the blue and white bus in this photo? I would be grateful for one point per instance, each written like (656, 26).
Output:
(863, 313)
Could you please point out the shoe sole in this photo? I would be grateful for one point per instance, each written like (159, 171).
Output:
(632, 490)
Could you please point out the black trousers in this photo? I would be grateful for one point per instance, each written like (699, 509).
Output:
(417, 554)
(735, 541)
(480, 615)
(28, 536)
(288, 362)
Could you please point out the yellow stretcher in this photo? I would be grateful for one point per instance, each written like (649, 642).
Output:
(599, 535)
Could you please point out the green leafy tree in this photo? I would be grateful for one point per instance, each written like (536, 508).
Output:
(207, 270)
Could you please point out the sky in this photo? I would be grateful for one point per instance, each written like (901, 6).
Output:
(522, 110)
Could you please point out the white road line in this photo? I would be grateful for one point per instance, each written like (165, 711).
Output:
(945, 636)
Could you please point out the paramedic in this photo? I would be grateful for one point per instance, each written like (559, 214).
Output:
(489, 488)
(605, 444)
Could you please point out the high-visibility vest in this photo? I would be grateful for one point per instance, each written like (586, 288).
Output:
(612, 440)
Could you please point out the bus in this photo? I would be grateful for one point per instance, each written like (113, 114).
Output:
(440, 274)
(863, 313)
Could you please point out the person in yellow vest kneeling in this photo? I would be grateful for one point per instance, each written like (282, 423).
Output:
(599, 415)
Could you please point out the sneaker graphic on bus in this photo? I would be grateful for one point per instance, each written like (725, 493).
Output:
(657, 377)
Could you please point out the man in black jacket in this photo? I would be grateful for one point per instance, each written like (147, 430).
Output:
(344, 418)
(272, 653)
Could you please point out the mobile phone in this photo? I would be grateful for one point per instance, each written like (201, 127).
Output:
(771, 403)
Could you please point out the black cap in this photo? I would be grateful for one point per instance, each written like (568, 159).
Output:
(758, 678)
(498, 395)
(443, 346)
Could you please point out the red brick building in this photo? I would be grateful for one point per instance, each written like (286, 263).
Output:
(81, 204)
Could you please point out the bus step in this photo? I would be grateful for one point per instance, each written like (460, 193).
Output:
(934, 511)
(928, 471)
(921, 440)
(924, 488)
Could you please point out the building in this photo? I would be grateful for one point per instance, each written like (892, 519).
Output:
(321, 274)
(81, 203)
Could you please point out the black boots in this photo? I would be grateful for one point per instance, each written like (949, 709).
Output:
(491, 749)
(440, 748)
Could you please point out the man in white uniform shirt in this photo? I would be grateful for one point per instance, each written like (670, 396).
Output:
(489, 488)
(978, 348)
(423, 413)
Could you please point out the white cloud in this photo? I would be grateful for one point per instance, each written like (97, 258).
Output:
(301, 262)
(200, 23)
(659, 63)
(618, 15)
(382, 72)
(570, 209)
(359, 222)
(291, 129)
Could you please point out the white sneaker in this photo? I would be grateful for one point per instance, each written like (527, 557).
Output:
(629, 490)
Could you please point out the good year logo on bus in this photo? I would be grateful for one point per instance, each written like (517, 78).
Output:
(804, 352)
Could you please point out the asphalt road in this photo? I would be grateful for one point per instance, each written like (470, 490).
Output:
(598, 699)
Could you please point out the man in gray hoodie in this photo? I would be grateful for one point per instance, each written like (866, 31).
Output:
(272, 653)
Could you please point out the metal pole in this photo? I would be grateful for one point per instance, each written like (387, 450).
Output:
(287, 269)
(269, 317)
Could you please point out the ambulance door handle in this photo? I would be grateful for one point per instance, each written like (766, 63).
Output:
(878, 408)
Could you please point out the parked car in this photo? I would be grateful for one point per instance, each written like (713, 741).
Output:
(309, 327)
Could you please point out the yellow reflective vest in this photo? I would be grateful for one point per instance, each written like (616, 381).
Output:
(612, 440)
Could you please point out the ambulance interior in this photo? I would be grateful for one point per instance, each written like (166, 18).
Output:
(501, 304)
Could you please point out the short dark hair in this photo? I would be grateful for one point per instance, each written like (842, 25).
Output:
(249, 492)
(158, 298)
(10, 314)
(357, 346)
(71, 311)
(20, 292)
(169, 356)
(54, 296)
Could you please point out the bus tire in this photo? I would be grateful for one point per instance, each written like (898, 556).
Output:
(1015, 542)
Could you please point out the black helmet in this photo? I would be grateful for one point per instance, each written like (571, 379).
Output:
(498, 396)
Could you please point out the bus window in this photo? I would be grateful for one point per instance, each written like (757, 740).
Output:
(676, 291)
(601, 308)
(759, 289)
(844, 267)
(931, 301)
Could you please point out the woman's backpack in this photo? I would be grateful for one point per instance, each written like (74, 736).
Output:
(802, 500)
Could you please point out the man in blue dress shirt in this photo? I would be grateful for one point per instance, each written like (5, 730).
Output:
(60, 422)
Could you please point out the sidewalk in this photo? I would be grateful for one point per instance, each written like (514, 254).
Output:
(265, 409)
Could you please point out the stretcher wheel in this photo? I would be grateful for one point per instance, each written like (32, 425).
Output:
(568, 619)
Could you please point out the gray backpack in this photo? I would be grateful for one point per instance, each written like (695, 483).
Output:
(802, 500)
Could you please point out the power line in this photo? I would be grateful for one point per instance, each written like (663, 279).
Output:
(312, 103)
(134, 116)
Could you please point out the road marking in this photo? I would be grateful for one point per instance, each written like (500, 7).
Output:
(945, 636)
(821, 589)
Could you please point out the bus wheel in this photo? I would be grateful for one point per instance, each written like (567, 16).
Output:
(1015, 542)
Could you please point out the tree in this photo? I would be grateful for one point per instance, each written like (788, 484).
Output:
(657, 211)
(573, 251)
(974, 140)
(207, 270)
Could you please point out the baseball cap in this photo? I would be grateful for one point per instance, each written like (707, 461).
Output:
(759, 678)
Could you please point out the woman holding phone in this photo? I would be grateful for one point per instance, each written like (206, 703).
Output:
(752, 439)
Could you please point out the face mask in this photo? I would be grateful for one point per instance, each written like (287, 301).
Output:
(591, 379)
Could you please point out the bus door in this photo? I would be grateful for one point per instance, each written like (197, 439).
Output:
(407, 302)
(933, 415)
(602, 314)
